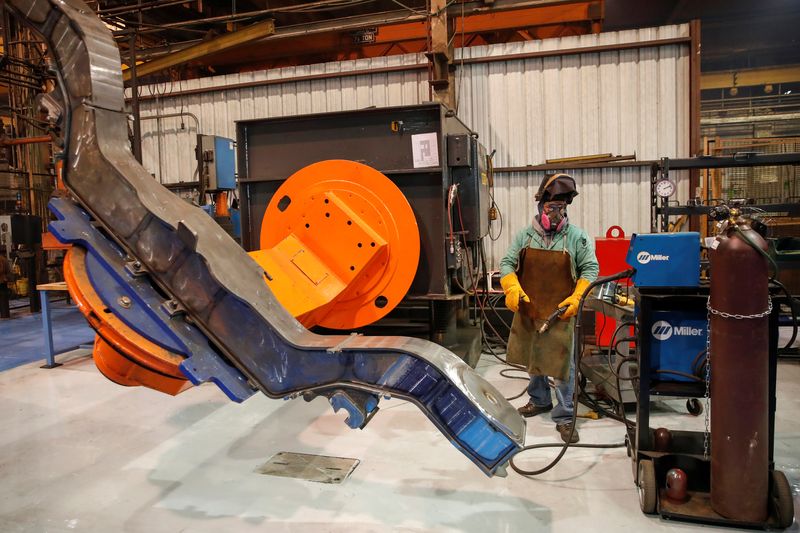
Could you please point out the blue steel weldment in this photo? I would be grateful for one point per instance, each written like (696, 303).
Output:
(215, 283)
(401, 375)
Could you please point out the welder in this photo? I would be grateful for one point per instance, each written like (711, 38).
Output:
(549, 265)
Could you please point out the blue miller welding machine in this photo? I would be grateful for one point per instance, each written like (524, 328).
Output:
(673, 329)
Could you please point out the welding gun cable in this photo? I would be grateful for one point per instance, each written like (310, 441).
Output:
(620, 341)
(619, 417)
(591, 402)
(698, 365)
(577, 344)
(613, 343)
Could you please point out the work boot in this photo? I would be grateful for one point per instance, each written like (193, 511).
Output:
(565, 430)
(528, 410)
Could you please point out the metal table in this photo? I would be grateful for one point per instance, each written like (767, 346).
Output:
(47, 326)
(596, 367)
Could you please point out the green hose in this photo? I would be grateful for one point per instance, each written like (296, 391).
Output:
(760, 250)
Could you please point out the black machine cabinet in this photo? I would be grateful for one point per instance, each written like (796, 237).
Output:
(20, 230)
(21, 240)
(686, 448)
(271, 150)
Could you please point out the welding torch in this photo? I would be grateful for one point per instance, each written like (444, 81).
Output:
(552, 319)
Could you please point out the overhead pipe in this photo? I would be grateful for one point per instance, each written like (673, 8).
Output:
(158, 4)
(173, 115)
(26, 140)
(159, 132)
(123, 10)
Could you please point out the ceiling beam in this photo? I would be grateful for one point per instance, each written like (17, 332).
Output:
(218, 44)
(331, 37)
(525, 17)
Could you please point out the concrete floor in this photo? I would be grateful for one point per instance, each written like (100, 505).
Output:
(79, 453)
(22, 339)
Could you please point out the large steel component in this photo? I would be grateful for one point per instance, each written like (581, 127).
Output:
(739, 326)
(219, 290)
(429, 154)
(340, 244)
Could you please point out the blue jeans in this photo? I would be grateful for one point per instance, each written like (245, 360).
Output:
(539, 391)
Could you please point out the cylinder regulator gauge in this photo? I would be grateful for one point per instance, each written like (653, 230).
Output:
(665, 188)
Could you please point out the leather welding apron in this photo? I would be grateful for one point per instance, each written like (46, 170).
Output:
(546, 277)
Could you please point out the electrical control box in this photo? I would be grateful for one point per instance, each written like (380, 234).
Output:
(665, 259)
(466, 158)
(677, 341)
(217, 163)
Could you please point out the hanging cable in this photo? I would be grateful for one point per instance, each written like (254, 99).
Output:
(791, 302)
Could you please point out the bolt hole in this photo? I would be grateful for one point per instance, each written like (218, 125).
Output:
(352, 267)
(381, 302)
(327, 215)
(326, 200)
(283, 203)
(349, 222)
(308, 225)
(360, 245)
(372, 244)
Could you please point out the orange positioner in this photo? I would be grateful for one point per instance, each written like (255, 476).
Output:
(120, 353)
(340, 245)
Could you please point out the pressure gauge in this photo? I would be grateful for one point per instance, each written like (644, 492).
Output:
(665, 188)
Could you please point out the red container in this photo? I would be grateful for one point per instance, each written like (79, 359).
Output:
(611, 252)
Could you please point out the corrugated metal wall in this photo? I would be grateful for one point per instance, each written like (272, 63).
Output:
(528, 110)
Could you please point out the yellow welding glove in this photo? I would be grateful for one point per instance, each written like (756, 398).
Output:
(574, 299)
(513, 291)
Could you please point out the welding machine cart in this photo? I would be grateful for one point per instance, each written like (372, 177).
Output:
(685, 449)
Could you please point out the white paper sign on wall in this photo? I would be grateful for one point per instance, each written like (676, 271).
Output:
(425, 148)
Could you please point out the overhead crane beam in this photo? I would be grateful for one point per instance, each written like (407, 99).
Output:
(541, 19)
(750, 77)
(219, 44)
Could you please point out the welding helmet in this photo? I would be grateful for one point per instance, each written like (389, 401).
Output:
(557, 187)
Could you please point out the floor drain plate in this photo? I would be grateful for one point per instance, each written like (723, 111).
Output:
(319, 468)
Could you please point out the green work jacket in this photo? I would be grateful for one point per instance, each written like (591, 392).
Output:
(572, 239)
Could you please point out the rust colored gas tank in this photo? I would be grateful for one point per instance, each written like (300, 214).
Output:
(739, 377)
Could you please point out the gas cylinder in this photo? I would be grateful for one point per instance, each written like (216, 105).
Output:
(739, 355)
(611, 251)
